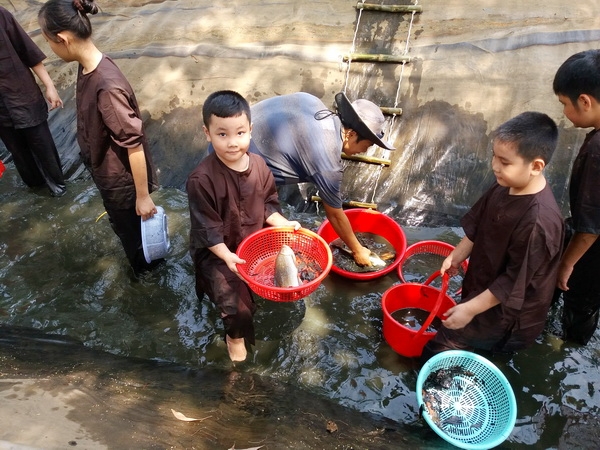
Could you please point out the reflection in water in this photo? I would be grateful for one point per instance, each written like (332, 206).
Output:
(63, 272)
(414, 318)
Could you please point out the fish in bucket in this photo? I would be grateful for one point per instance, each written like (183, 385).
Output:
(284, 264)
(402, 300)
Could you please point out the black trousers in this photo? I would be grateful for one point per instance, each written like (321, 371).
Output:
(581, 303)
(35, 156)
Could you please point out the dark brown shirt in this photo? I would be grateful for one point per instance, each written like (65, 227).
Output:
(517, 242)
(22, 104)
(108, 124)
(584, 187)
(226, 205)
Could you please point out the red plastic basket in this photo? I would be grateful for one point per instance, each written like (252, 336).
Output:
(260, 250)
(368, 221)
(432, 247)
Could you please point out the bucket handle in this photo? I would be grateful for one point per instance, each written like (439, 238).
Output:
(438, 303)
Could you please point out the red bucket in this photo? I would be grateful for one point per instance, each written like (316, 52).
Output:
(402, 339)
(368, 221)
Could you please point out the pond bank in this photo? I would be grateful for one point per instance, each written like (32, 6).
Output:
(76, 397)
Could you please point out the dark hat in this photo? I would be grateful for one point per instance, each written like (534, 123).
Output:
(364, 117)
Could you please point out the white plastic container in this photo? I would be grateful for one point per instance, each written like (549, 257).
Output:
(155, 236)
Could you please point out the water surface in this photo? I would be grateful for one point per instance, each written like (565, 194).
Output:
(63, 272)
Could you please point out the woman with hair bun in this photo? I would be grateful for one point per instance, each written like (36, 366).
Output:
(110, 131)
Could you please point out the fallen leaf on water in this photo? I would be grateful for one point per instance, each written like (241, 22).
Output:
(331, 426)
(180, 416)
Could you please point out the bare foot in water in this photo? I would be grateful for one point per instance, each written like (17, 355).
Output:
(236, 348)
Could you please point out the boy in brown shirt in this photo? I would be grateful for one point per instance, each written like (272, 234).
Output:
(513, 236)
(231, 194)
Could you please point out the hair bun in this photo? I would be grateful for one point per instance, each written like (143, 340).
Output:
(86, 6)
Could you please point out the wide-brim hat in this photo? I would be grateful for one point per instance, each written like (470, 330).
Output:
(364, 117)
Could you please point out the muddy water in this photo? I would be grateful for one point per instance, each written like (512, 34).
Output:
(62, 272)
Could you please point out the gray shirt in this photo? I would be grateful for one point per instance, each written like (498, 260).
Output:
(296, 146)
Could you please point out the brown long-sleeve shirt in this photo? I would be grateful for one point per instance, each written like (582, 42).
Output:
(109, 123)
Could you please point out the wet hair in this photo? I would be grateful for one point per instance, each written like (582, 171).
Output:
(579, 74)
(56, 16)
(348, 126)
(224, 104)
(534, 134)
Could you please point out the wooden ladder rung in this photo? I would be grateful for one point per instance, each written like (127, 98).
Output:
(391, 111)
(349, 203)
(390, 8)
(367, 159)
(367, 57)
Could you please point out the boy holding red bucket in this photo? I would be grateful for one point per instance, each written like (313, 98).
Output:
(513, 237)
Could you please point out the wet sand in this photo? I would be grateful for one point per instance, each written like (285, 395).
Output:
(56, 394)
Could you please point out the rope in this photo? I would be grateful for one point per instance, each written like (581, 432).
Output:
(390, 123)
(412, 19)
(352, 49)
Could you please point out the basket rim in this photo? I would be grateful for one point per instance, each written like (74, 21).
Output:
(497, 440)
(399, 286)
(367, 276)
(284, 292)
(414, 248)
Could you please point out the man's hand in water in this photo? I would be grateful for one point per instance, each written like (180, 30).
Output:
(362, 256)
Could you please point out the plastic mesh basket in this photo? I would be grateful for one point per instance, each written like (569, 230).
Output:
(438, 248)
(474, 407)
(155, 236)
(260, 250)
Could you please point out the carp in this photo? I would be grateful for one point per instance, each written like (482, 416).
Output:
(286, 270)
(376, 260)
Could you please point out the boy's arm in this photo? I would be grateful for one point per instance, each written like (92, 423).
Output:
(144, 206)
(51, 93)
(578, 245)
(461, 252)
(277, 220)
(460, 315)
(230, 258)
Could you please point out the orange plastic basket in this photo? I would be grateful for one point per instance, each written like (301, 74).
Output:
(260, 250)
(432, 247)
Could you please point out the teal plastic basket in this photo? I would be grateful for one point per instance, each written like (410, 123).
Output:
(468, 401)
